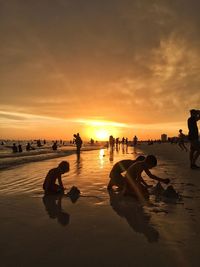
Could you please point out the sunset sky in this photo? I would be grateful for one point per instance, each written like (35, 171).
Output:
(98, 67)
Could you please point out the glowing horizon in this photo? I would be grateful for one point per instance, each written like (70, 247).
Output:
(88, 128)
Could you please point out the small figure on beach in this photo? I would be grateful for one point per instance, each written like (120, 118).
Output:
(20, 148)
(38, 143)
(29, 147)
(135, 184)
(116, 177)
(135, 140)
(54, 146)
(14, 148)
(111, 141)
(50, 186)
(181, 140)
(78, 141)
(193, 137)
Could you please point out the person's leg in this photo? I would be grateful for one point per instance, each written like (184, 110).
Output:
(196, 155)
(195, 152)
(191, 154)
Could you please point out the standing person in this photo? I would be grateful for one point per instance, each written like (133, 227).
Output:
(19, 148)
(181, 140)
(14, 148)
(193, 136)
(78, 141)
(135, 139)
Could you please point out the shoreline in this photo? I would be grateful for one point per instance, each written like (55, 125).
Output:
(25, 159)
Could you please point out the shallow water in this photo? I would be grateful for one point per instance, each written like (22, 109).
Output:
(102, 227)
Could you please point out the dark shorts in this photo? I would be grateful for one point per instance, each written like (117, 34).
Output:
(195, 145)
(117, 179)
(53, 189)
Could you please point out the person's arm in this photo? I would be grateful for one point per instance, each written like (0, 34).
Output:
(143, 182)
(154, 177)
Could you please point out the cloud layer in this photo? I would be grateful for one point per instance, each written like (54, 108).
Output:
(127, 61)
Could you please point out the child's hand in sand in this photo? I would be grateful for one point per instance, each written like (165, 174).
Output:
(166, 181)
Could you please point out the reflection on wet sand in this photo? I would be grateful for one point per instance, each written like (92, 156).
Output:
(133, 212)
(78, 165)
(53, 206)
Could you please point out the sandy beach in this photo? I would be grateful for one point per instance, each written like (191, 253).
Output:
(100, 229)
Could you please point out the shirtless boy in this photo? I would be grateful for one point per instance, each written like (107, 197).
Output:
(116, 177)
(49, 185)
(135, 184)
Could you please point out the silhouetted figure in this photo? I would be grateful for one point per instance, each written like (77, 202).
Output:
(126, 141)
(54, 146)
(111, 141)
(117, 141)
(193, 136)
(49, 185)
(181, 140)
(19, 148)
(133, 212)
(123, 140)
(53, 207)
(135, 184)
(28, 147)
(39, 143)
(78, 141)
(92, 141)
(44, 142)
(135, 140)
(14, 148)
(116, 177)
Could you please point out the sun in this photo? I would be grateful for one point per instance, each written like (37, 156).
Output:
(102, 134)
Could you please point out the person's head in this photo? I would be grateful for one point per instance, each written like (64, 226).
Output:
(64, 166)
(151, 161)
(193, 112)
(180, 131)
(140, 158)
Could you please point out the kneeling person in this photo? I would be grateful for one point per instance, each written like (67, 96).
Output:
(135, 184)
(121, 166)
(49, 185)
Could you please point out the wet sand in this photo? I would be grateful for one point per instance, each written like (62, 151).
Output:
(99, 229)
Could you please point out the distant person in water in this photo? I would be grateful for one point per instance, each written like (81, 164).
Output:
(135, 184)
(78, 141)
(14, 148)
(49, 185)
(181, 140)
(121, 166)
(29, 147)
(54, 146)
(193, 137)
(20, 148)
